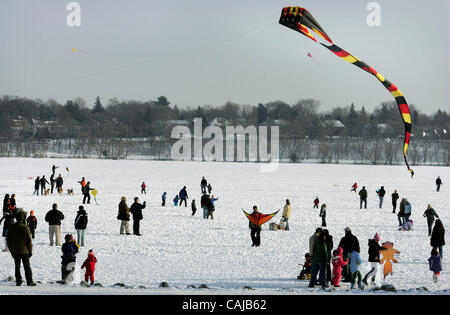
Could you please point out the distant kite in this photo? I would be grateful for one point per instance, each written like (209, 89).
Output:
(313, 59)
(299, 19)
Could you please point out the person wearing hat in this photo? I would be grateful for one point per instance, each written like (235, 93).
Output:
(32, 223)
(349, 244)
(89, 263)
(21, 247)
(323, 214)
(69, 249)
(287, 211)
(81, 221)
(374, 258)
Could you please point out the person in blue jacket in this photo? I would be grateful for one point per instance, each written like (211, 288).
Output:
(183, 196)
(355, 263)
(175, 200)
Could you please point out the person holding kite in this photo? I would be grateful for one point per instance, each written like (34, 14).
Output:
(256, 219)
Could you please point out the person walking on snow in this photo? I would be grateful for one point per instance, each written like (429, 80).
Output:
(136, 211)
(437, 240)
(363, 197)
(193, 207)
(374, 258)
(435, 264)
(175, 200)
(43, 182)
(323, 214)
(430, 214)
(183, 196)
(438, 183)
(143, 187)
(316, 203)
(37, 183)
(203, 185)
(338, 263)
(87, 192)
(381, 192)
(395, 197)
(81, 221)
(163, 198)
(89, 264)
(354, 187)
(287, 211)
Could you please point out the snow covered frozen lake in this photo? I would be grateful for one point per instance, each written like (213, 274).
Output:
(183, 250)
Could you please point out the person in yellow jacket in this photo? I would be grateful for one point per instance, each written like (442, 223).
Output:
(287, 213)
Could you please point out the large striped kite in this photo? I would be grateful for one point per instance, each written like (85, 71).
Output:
(299, 19)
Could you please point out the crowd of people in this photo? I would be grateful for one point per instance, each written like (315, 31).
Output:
(345, 259)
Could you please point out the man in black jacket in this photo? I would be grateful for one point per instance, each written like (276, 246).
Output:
(81, 221)
(43, 182)
(136, 211)
(349, 244)
(374, 258)
(54, 218)
(395, 197)
(438, 183)
(205, 203)
(37, 183)
(203, 185)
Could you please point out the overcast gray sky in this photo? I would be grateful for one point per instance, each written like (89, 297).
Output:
(199, 52)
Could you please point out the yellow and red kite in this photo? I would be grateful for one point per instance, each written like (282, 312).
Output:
(388, 255)
(300, 20)
(259, 218)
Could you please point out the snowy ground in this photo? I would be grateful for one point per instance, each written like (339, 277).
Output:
(184, 250)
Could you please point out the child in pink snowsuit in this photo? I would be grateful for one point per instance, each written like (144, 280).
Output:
(338, 262)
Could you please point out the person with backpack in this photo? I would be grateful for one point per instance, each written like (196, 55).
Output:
(69, 250)
(363, 197)
(21, 247)
(124, 216)
(54, 218)
(81, 221)
(381, 192)
(395, 197)
(430, 214)
(136, 211)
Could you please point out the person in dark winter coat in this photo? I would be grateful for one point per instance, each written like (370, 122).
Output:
(209, 188)
(193, 207)
(323, 214)
(374, 258)
(59, 183)
(438, 183)
(136, 211)
(69, 250)
(329, 243)
(89, 264)
(430, 214)
(437, 240)
(363, 197)
(21, 247)
(124, 216)
(54, 167)
(435, 264)
(205, 203)
(52, 183)
(183, 196)
(395, 197)
(316, 203)
(349, 244)
(8, 218)
(163, 198)
(32, 223)
(37, 183)
(381, 192)
(43, 182)
(319, 262)
(255, 230)
(54, 218)
(81, 221)
(203, 185)
(87, 192)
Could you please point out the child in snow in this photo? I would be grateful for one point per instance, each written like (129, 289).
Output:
(163, 197)
(175, 200)
(305, 274)
(32, 223)
(143, 186)
(355, 263)
(316, 203)
(407, 226)
(354, 187)
(89, 263)
(69, 249)
(435, 264)
(374, 258)
(338, 262)
(193, 207)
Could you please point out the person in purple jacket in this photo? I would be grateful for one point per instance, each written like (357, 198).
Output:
(435, 264)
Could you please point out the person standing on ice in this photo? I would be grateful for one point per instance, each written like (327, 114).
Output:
(69, 249)
(37, 183)
(43, 182)
(54, 218)
(143, 187)
(438, 183)
(395, 197)
(354, 187)
(163, 198)
(319, 262)
(89, 264)
(363, 197)
(255, 230)
(323, 214)
(52, 183)
(287, 211)
(435, 264)
(430, 214)
(349, 244)
(54, 169)
(209, 188)
(205, 203)
(175, 200)
(381, 192)
(136, 211)
(203, 185)
(437, 240)
(81, 221)
(374, 258)
(124, 216)
(193, 207)
(82, 182)
(59, 183)
(212, 208)
(183, 196)
(87, 192)
(316, 203)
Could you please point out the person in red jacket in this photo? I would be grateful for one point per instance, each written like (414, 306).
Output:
(355, 185)
(337, 262)
(316, 203)
(143, 186)
(89, 263)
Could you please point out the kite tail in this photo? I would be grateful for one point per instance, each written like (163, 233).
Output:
(396, 93)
